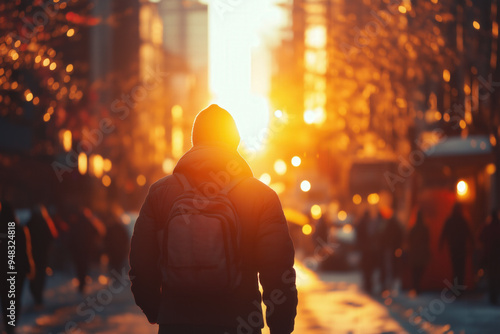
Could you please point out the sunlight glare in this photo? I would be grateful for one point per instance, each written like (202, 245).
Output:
(251, 114)
(238, 76)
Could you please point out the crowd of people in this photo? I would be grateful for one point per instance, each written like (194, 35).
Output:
(383, 243)
(70, 239)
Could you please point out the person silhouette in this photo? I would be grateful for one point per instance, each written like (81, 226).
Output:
(116, 242)
(216, 232)
(369, 243)
(419, 251)
(391, 242)
(43, 232)
(457, 235)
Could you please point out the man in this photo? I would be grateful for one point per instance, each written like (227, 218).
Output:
(457, 234)
(391, 241)
(368, 241)
(43, 233)
(266, 251)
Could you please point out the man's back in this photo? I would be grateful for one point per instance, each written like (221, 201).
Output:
(265, 249)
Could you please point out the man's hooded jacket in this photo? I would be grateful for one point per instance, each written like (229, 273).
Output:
(266, 252)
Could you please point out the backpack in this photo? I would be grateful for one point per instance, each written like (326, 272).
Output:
(200, 242)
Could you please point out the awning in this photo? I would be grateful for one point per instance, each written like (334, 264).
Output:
(458, 146)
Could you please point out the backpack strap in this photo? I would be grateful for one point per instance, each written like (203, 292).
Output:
(183, 181)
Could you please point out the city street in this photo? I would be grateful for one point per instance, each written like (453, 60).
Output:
(323, 308)
(216, 139)
(329, 303)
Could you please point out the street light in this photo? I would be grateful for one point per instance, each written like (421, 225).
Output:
(97, 165)
(462, 188)
(67, 140)
(82, 163)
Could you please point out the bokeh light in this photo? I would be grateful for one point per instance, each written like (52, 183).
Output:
(265, 178)
(356, 199)
(316, 211)
(141, 180)
(307, 229)
(296, 161)
(106, 180)
(280, 167)
(305, 186)
(373, 198)
(82, 163)
(342, 215)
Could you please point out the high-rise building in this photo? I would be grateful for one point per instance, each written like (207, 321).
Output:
(174, 52)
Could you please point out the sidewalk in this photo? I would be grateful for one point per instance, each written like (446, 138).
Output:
(107, 307)
(325, 307)
(433, 312)
(328, 303)
(336, 304)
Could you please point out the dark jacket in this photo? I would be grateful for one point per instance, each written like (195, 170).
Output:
(266, 251)
(457, 234)
(41, 238)
(419, 250)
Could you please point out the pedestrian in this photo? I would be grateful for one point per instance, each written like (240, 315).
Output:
(391, 243)
(457, 235)
(368, 241)
(116, 242)
(490, 238)
(43, 232)
(14, 247)
(221, 232)
(419, 251)
(83, 241)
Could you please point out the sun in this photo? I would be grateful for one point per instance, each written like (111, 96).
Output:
(238, 74)
(251, 114)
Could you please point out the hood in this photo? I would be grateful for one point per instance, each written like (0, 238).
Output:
(203, 163)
